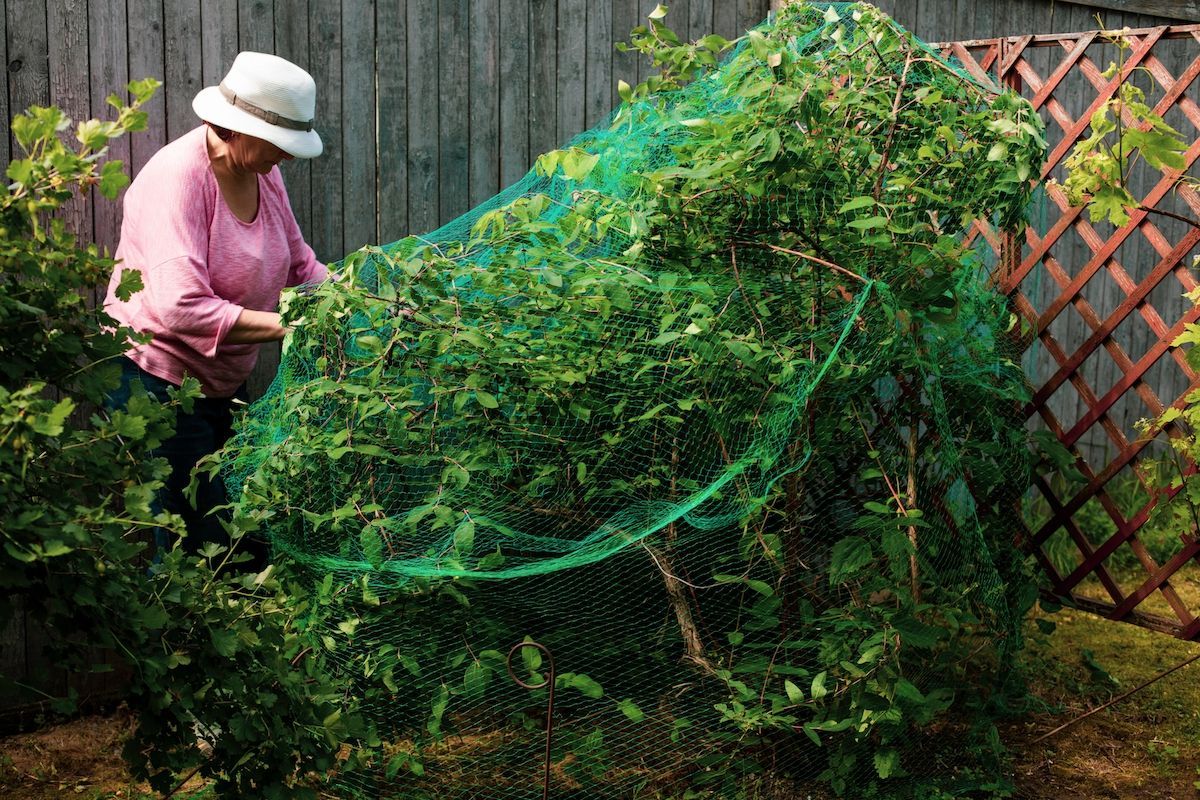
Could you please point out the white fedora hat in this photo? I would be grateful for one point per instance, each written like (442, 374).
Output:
(268, 97)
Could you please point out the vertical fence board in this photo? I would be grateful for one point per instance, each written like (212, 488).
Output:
(147, 60)
(725, 19)
(483, 180)
(624, 64)
(109, 57)
(543, 77)
(514, 90)
(453, 117)
(325, 54)
(572, 60)
(422, 116)
(184, 67)
(67, 38)
(28, 61)
(256, 26)
(700, 19)
(291, 42)
(391, 48)
(598, 70)
(218, 39)
(358, 124)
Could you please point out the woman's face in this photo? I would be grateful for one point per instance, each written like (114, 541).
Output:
(251, 154)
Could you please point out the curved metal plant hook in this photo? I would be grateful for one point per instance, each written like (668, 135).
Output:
(548, 683)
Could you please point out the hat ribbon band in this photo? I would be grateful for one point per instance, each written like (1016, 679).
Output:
(269, 117)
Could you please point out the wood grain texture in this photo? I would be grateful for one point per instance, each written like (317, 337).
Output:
(453, 109)
(543, 77)
(256, 25)
(598, 69)
(325, 58)
(67, 36)
(483, 179)
(514, 155)
(359, 143)
(292, 43)
(218, 39)
(422, 77)
(181, 46)
(572, 62)
(148, 60)
(391, 56)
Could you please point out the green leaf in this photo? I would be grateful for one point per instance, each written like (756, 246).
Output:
(486, 399)
(464, 536)
(850, 555)
(869, 223)
(887, 762)
(630, 709)
(129, 284)
(862, 201)
(818, 690)
(225, 642)
(794, 693)
(112, 179)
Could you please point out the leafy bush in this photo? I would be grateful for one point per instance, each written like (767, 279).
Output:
(210, 651)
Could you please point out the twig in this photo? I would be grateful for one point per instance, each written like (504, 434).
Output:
(182, 783)
(1116, 700)
(808, 257)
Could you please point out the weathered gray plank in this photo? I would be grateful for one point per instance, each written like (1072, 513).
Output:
(572, 50)
(514, 90)
(543, 77)
(453, 109)
(700, 19)
(484, 146)
(291, 42)
(1167, 10)
(752, 12)
(358, 124)
(422, 77)
(624, 64)
(256, 25)
(644, 7)
(725, 19)
(325, 55)
(66, 24)
(28, 61)
(598, 70)
(109, 60)
(181, 42)
(391, 46)
(218, 38)
(146, 60)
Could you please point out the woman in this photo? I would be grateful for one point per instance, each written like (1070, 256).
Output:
(208, 225)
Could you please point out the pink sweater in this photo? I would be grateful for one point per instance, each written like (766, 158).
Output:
(201, 265)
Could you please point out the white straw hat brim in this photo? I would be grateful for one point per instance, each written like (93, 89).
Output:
(211, 106)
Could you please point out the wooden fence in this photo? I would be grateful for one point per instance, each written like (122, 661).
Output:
(429, 106)
(1103, 305)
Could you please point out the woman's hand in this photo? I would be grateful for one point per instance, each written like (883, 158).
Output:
(255, 326)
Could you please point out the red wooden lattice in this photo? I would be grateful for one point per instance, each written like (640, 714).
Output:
(1088, 293)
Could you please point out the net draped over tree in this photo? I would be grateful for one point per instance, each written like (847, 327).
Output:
(717, 404)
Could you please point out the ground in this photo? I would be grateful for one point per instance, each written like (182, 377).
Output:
(1145, 747)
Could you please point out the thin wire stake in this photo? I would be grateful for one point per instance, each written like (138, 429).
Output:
(1116, 700)
(548, 683)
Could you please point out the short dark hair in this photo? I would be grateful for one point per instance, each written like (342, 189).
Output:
(224, 134)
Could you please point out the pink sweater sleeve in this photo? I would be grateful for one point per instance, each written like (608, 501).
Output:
(178, 289)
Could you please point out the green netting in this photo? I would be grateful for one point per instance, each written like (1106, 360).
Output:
(717, 404)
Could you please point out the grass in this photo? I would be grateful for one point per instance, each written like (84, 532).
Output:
(1143, 747)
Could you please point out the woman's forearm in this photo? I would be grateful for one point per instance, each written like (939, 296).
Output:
(255, 326)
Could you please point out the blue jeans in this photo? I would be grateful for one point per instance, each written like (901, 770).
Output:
(205, 430)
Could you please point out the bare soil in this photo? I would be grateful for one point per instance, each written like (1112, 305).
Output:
(1145, 747)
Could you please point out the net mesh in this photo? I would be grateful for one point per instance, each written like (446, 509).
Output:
(716, 405)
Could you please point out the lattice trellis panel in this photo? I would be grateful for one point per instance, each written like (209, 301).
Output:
(1101, 306)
